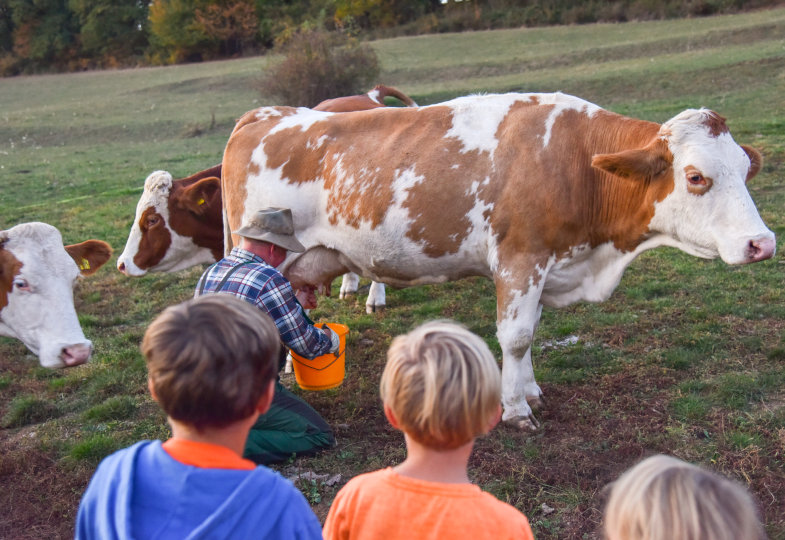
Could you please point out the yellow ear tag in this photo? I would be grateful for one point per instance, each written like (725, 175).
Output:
(200, 202)
(84, 265)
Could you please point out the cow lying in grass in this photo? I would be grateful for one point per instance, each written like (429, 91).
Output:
(37, 275)
(179, 223)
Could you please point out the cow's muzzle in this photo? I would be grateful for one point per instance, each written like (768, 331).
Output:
(75, 355)
(760, 250)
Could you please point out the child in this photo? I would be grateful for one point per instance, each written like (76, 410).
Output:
(442, 388)
(664, 498)
(211, 367)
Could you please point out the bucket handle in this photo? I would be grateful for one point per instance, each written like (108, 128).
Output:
(337, 356)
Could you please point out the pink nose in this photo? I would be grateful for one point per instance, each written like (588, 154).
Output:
(76, 354)
(121, 267)
(760, 250)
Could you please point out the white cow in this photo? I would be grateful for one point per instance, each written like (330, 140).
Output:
(37, 275)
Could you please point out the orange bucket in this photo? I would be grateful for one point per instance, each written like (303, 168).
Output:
(325, 371)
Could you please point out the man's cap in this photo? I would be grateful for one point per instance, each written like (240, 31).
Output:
(274, 225)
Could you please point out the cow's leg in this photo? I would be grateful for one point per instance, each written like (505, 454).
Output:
(518, 315)
(349, 284)
(376, 299)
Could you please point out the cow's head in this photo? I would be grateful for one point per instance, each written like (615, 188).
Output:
(178, 224)
(703, 206)
(37, 275)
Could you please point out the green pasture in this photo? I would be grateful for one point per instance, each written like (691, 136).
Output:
(686, 358)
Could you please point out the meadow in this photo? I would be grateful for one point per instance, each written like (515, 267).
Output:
(686, 358)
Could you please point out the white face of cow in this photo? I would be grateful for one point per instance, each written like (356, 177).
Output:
(710, 212)
(40, 305)
(152, 245)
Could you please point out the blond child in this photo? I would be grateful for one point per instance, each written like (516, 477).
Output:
(664, 498)
(211, 367)
(442, 388)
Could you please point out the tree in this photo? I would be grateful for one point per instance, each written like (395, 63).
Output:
(233, 24)
(371, 14)
(174, 36)
(44, 33)
(111, 30)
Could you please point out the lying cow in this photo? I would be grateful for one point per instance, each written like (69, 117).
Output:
(37, 275)
(179, 223)
(548, 195)
(363, 102)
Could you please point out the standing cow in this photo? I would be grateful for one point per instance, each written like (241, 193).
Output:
(37, 276)
(548, 195)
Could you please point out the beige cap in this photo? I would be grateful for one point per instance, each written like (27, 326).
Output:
(274, 225)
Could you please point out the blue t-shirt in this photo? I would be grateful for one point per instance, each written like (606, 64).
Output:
(142, 492)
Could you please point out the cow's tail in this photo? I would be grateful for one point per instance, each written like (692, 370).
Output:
(385, 91)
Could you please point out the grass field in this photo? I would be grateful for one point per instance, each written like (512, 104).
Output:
(686, 358)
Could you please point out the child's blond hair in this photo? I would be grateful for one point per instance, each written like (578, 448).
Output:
(442, 384)
(664, 498)
(210, 359)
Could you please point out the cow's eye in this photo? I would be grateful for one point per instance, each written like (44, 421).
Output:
(152, 221)
(696, 179)
(21, 284)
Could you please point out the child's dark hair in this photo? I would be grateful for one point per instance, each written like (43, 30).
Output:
(210, 359)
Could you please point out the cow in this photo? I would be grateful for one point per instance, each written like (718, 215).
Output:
(37, 275)
(178, 222)
(362, 102)
(548, 195)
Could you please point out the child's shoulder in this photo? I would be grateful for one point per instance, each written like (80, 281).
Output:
(504, 511)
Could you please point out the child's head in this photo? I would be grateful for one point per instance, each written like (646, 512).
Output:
(211, 359)
(664, 498)
(442, 385)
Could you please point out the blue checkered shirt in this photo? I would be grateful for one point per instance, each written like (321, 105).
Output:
(266, 288)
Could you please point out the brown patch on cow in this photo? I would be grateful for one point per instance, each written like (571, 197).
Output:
(155, 240)
(553, 200)
(195, 209)
(9, 268)
(716, 124)
(697, 184)
(90, 255)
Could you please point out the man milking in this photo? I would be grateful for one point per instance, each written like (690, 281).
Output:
(249, 272)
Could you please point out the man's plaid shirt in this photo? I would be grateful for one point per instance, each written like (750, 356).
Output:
(265, 287)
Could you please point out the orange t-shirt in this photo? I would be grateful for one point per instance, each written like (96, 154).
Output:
(385, 505)
(205, 455)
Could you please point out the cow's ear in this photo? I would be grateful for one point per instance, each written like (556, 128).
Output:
(648, 162)
(756, 161)
(201, 195)
(90, 255)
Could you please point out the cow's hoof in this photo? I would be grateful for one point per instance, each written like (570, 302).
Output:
(347, 294)
(373, 309)
(536, 402)
(524, 423)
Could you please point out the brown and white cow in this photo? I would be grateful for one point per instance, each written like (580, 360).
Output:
(363, 102)
(37, 275)
(548, 195)
(179, 224)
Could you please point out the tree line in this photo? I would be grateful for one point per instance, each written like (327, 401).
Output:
(68, 35)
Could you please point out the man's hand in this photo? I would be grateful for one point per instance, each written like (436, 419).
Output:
(307, 296)
(334, 339)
